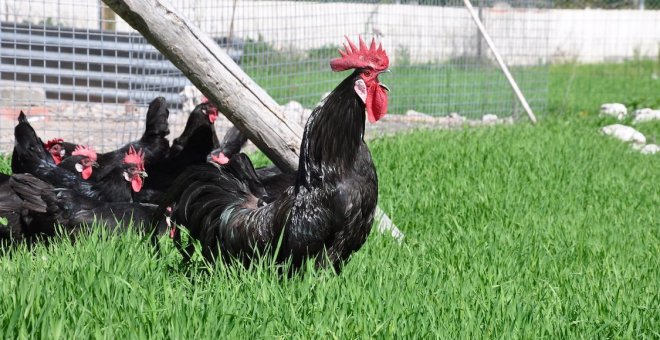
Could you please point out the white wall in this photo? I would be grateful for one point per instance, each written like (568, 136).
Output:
(427, 33)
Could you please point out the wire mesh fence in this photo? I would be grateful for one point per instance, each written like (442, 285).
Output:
(83, 74)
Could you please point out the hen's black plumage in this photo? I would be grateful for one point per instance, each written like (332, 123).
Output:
(232, 142)
(326, 216)
(273, 180)
(153, 142)
(191, 147)
(29, 156)
(11, 207)
(69, 163)
(28, 150)
(45, 207)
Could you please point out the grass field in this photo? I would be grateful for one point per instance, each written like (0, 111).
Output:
(439, 89)
(583, 88)
(512, 231)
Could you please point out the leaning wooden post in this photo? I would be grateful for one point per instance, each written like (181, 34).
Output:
(237, 96)
(216, 75)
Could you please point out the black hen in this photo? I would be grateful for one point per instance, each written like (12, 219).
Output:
(153, 142)
(328, 214)
(29, 151)
(198, 134)
(29, 156)
(232, 143)
(273, 180)
(57, 150)
(11, 209)
(82, 160)
(191, 147)
(46, 207)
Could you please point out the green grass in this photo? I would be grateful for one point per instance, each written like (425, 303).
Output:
(511, 232)
(583, 88)
(473, 91)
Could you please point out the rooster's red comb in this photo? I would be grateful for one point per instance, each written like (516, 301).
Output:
(133, 157)
(52, 142)
(361, 57)
(86, 151)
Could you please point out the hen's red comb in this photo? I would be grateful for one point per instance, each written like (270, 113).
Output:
(86, 151)
(52, 142)
(133, 157)
(361, 57)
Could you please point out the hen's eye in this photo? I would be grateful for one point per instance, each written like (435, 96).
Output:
(367, 73)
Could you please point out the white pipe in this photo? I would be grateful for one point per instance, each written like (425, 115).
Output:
(500, 61)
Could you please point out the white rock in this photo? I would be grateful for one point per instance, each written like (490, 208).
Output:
(292, 106)
(414, 113)
(296, 112)
(646, 115)
(619, 111)
(650, 149)
(624, 133)
(638, 147)
(190, 97)
(489, 118)
(456, 116)
(35, 119)
(454, 119)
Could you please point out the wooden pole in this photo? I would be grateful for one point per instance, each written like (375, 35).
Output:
(500, 61)
(207, 66)
(216, 75)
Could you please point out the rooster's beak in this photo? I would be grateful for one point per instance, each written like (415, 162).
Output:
(383, 85)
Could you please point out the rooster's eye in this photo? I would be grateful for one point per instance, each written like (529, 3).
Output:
(367, 73)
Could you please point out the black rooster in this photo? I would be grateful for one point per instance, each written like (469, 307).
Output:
(328, 214)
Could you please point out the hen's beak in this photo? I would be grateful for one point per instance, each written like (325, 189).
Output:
(95, 164)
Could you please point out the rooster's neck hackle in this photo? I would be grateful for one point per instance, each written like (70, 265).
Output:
(333, 135)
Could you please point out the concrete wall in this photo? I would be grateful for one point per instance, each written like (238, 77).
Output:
(422, 33)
